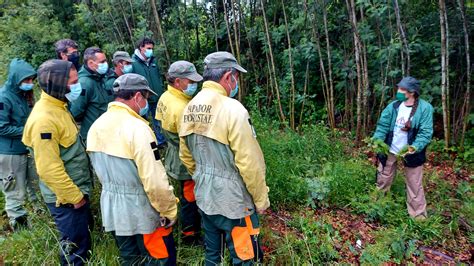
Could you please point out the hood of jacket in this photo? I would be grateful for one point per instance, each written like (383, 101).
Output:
(18, 70)
(53, 76)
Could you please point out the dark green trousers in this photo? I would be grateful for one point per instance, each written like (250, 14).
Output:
(240, 236)
(157, 248)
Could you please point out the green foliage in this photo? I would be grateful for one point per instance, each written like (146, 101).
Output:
(378, 146)
(28, 31)
(317, 242)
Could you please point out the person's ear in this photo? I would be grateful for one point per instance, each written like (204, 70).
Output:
(227, 76)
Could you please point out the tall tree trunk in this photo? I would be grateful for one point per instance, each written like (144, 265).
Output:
(331, 109)
(237, 47)
(226, 18)
(444, 72)
(305, 88)
(129, 29)
(401, 31)
(270, 50)
(466, 105)
(365, 83)
(322, 67)
(214, 21)
(160, 30)
(290, 58)
(357, 50)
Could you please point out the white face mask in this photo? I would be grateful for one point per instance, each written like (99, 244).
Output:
(75, 92)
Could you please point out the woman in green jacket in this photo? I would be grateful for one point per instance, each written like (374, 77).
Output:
(406, 127)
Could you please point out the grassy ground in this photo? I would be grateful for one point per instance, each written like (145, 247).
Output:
(324, 209)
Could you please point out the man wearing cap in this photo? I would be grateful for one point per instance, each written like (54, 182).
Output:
(146, 65)
(218, 146)
(96, 95)
(137, 202)
(122, 65)
(16, 100)
(182, 80)
(61, 159)
(406, 127)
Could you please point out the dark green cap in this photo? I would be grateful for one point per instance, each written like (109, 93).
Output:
(222, 60)
(121, 55)
(184, 69)
(131, 82)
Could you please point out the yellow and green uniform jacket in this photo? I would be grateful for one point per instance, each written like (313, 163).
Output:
(60, 157)
(169, 111)
(135, 187)
(218, 146)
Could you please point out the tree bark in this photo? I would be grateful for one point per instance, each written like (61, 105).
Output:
(160, 30)
(270, 50)
(406, 49)
(444, 72)
(352, 16)
(226, 18)
(331, 109)
(466, 105)
(290, 58)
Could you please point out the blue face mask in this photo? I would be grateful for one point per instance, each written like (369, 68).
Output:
(191, 89)
(234, 91)
(127, 69)
(142, 111)
(75, 92)
(26, 86)
(102, 68)
(148, 53)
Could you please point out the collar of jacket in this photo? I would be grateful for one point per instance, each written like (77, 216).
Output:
(142, 59)
(50, 99)
(177, 93)
(115, 105)
(214, 86)
(87, 72)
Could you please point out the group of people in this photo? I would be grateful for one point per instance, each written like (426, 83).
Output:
(210, 148)
(209, 143)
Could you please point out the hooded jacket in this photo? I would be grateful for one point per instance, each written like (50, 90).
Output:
(50, 132)
(14, 109)
(92, 103)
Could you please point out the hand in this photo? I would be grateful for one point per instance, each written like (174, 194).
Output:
(167, 223)
(80, 203)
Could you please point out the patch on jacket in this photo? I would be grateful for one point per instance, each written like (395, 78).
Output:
(254, 133)
(83, 92)
(154, 147)
(2, 106)
(46, 135)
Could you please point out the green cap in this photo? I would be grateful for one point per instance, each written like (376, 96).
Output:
(184, 69)
(131, 82)
(222, 60)
(121, 55)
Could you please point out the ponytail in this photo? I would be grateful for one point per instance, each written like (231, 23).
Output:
(412, 113)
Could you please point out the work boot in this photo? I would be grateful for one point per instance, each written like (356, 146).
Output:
(19, 223)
